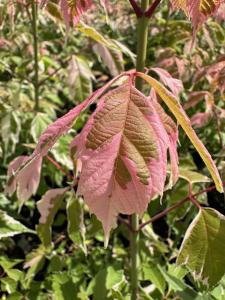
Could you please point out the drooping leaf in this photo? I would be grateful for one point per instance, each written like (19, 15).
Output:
(24, 172)
(26, 180)
(175, 107)
(123, 150)
(63, 124)
(48, 207)
(172, 131)
(202, 250)
(174, 84)
(10, 227)
(76, 228)
(79, 79)
(111, 58)
(92, 33)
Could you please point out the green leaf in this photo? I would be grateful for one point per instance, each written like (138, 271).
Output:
(192, 177)
(202, 250)
(35, 262)
(153, 274)
(79, 79)
(95, 35)
(10, 130)
(48, 207)
(75, 216)
(10, 227)
(175, 107)
(39, 124)
(63, 287)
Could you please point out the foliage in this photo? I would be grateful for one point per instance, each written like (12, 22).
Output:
(52, 248)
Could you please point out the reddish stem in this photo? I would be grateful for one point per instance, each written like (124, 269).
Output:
(59, 167)
(138, 11)
(181, 202)
(152, 9)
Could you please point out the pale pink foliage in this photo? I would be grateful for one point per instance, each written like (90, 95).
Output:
(201, 119)
(46, 203)
(198, 10)
(25, 179)
(174, 84)
(103, 194)
(71, 10)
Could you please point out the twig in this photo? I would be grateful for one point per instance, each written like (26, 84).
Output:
(152, 9)
(59, 167)
(181, 202)
(164, 212)
(138, 11)
(125, 222)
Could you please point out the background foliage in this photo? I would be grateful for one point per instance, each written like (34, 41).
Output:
(74, 265)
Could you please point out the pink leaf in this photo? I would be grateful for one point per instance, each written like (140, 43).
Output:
(72, 10)
(123, 150)
(199, 120)
(172, 131)
(174, 84)
(198, 10)
(26, 180)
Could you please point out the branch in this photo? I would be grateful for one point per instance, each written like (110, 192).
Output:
(59, 167)
(138, 11)
(152, 9)
(181, 202)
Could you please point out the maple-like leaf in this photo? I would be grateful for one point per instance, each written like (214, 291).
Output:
(123, 150)
(198, 10)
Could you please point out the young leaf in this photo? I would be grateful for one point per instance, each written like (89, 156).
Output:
(175, 107)
(10, 227)
(174, 84)
(48, 207)
(123, 150)
(26, 180)
(63, 124)
(76, 228)
(72, 10)
(198, 10)
(202, 250)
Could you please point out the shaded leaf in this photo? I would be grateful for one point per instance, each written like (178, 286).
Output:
(79, 78)
(76, 228)
(48, 207)
(10, 227)
(112, 58)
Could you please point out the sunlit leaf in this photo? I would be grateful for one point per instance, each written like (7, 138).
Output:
(175, 107)
(202, 250)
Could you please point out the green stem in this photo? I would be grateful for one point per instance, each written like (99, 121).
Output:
(142, 37)
(35, 45)
(134, 248)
